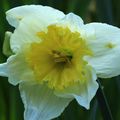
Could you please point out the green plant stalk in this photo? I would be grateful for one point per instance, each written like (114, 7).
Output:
(2, 106)
(103, 104)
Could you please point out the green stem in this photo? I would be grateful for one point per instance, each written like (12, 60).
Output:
(103, 104)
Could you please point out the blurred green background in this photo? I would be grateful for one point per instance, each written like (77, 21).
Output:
(11, 107)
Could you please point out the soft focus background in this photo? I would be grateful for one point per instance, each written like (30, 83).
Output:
(108, 11)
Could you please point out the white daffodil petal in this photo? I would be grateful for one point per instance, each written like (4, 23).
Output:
(28, 28)
(15, 15)
(25, 33)
(88, 92)
(74, 22)
(105, 46)
(16, 70)
(40, 102)
(3, 70)
(83, 92)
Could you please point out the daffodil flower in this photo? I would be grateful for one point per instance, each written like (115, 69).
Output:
(57, 58)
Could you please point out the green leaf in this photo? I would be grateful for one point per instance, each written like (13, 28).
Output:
(15, 104)
(2, 105)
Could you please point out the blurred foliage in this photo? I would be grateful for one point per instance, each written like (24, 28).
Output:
(11, 107)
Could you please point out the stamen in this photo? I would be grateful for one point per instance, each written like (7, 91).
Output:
(61, 56)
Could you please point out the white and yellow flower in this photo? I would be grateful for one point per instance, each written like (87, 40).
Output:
(57, 58)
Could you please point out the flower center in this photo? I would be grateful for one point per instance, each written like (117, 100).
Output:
(63, 56)
(57, 60)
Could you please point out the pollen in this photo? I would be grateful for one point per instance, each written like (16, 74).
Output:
(110, 45)
(62, 56)
(58, 59)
